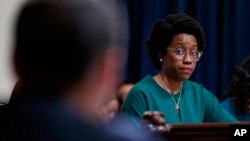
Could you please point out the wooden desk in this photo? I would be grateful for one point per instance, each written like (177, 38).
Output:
(200, 132)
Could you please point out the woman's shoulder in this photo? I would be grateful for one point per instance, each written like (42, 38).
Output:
(146, 87)
(197, 89)
(193, 85)
(144, 83)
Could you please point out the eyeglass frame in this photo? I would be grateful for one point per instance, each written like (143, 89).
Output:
(185, 53)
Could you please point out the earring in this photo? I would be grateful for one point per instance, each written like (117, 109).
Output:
(160, 59)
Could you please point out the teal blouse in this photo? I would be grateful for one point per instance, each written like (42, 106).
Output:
(228, 105)
(196, 104)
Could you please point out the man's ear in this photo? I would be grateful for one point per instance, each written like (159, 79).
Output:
(113, 66)
(110, 73)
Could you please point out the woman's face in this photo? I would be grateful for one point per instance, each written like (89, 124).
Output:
(179, 59)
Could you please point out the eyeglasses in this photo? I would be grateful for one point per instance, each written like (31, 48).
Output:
(180, 53)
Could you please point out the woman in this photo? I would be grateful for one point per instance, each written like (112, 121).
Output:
(174, 46)
(237, 99)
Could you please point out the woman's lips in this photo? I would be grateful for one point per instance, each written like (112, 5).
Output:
(186, 70)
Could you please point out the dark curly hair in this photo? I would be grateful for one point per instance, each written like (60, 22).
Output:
(163, 31)
(239, 89)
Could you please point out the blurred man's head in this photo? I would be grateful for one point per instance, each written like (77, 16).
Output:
(123, 90)
(71, 46)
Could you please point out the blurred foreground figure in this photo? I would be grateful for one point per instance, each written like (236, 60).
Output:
(237, 98)
(68, 56)
(123, 90)
(111, 109)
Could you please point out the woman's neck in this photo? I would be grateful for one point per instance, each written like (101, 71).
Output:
(172, 86)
